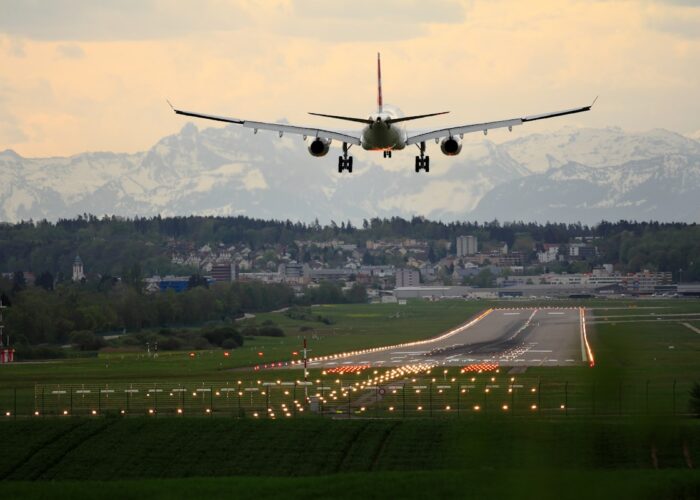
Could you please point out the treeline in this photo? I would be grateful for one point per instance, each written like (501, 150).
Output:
(118, 246)
(36, 315)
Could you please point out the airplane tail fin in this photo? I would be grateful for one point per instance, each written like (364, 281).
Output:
(380, 101)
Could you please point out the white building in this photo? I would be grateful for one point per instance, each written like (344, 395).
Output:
(407, 277)
(550, 254)
(78, 273)
(466, 245)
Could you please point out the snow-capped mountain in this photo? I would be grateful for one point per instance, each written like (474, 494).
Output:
(580, 174)
(596, 147)
(665, 188)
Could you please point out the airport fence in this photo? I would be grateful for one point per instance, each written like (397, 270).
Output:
(420, 396)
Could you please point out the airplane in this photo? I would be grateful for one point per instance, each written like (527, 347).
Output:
(381, 132)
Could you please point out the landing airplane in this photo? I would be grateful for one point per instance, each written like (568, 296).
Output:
(381, 132)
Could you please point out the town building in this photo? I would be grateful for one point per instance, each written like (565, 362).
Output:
(466, 245)
(407, 277)
(224, 272)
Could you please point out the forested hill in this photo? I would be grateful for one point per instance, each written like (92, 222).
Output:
(118, 246)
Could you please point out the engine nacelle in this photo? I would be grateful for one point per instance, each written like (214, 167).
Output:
(318, 146)
(451, 146)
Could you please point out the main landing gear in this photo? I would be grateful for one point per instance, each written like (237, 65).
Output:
(345, 161)
(422, 161)
(387, 153)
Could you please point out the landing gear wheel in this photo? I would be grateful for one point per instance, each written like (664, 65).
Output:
(422, 163)
(344, 163)
(387, 154)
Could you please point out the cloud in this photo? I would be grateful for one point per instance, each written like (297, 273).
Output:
(482, 60)
(14, 46)
(70, 51)
(115, 19)
(682, 3)
(389, 12)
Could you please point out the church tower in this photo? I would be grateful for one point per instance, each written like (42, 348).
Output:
(78, 274)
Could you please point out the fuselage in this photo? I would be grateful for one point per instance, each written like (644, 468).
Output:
(382, 136)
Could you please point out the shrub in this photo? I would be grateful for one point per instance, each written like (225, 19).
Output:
(230, 344)
(218, 336)
(695, 399)
(250, 331)
(24, 352)
(201, 343)
(270, 331)
(85, 340)
(170, 344)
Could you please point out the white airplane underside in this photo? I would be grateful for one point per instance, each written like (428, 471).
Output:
(383, 131)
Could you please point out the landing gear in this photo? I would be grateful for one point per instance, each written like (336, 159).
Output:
(422, 161)
(345, 161)
(344, 164)
(387, 154)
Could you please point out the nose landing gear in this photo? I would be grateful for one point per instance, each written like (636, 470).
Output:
(422, 161)
(345, 161)
(387, 153)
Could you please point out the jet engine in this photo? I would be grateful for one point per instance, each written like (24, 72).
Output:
(451, 146)
(318, 146)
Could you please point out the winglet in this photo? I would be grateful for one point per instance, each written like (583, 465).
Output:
(170, 104)
(594, 100)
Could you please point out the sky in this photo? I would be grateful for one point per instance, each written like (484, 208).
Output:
(94, 75)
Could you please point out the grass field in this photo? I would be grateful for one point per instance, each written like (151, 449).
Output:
(363, 326)
(354, 327)
(477, 484)
(523, 458)
(644, 367)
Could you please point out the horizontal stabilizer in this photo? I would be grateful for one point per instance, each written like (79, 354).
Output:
(346, 118)
(415, 117)
(369, 121)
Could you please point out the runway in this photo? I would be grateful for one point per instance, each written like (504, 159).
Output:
(507, 337)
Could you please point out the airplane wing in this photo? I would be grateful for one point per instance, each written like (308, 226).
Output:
(484, 127)
(277, 127)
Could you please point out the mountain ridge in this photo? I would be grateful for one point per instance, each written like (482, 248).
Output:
(226, 171)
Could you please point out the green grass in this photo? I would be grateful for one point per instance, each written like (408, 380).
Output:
(116, 449)
(318, 458)
(634, 373)
(355, 327)
(477, 484)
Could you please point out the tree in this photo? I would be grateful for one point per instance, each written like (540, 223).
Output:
(431, 253)
(18, 281)
(85, 340)
(45, 280)
(484, 279)
(694, 402)
(357, 294)
(197, 280)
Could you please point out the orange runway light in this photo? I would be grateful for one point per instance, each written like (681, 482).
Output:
(480, 367)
